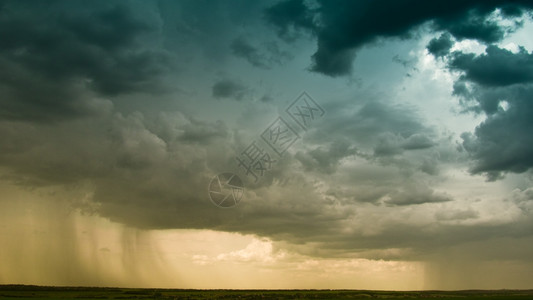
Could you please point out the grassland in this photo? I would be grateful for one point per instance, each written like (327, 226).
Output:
(21, 292)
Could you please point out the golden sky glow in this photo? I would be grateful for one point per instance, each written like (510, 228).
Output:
(48, 244)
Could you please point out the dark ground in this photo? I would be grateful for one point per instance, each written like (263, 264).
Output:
(21, 292)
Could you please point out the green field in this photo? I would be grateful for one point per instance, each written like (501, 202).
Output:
(21, 292)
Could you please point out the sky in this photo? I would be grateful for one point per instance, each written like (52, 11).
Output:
(359, 144)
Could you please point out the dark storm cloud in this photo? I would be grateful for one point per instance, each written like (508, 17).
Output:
(498, 83)
(152, 170)
(503, 142)
(52, 53)
(440, 46)
(472, 24)
(227, 88)
(343, 27)
(132, 166)
(496, 67)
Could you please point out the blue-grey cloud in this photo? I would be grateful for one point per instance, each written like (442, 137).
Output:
(503, 142)
(368, 157)
(54, 53)
(495, 67)
(498, 83)
(440, 46)
(343, 27)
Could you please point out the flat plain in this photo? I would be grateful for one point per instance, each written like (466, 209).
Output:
(21, 292)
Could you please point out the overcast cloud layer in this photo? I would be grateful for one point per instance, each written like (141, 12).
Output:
(425, 146)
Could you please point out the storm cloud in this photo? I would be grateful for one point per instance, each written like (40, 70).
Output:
(52, 55)
(496, 67)
(344, 27)
(440, 46)
(127, 110)
(497, 83)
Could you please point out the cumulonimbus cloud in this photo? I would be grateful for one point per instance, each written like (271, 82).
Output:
(343, 27)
